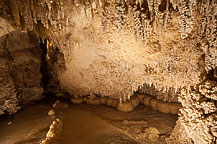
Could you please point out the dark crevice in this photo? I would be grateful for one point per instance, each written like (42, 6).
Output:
(44, 66)
(212, 75)
(163, 6)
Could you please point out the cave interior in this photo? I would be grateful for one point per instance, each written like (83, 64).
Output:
(108, 71)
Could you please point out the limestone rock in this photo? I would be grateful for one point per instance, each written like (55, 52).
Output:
(163, 107)
(153, 134)
(77, 100)
(121, 47)
(109, 102)
(174, 108)
(140, 97)
(136, 56)
(60, 105)
(51, 113)
(93, 101)
(134, 101)
(115, 103)
(125, 107)
(153, 103)
(198, 114)
(146, 100)
(20, 76)
(103, 100)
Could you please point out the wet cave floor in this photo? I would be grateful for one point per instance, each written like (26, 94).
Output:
(87, 124)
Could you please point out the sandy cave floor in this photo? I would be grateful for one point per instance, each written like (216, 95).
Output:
(87, 124)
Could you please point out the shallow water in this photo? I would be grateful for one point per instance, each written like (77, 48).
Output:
(85, 124)
(29, 125)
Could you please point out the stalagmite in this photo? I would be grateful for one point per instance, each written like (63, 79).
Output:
(198, 114)
(125, 107)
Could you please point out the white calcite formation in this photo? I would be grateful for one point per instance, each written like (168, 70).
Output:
(199, 113)
(111, 48)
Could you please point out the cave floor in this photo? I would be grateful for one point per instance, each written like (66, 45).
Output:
(87, 124)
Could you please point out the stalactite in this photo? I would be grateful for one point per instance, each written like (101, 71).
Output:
(185, 18)
(120, 14)
(157, 9)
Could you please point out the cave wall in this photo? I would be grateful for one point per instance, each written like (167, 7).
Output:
(20, 76)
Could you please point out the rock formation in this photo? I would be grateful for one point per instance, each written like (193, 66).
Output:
(20, 63)
(113, 48)
(54, 132)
